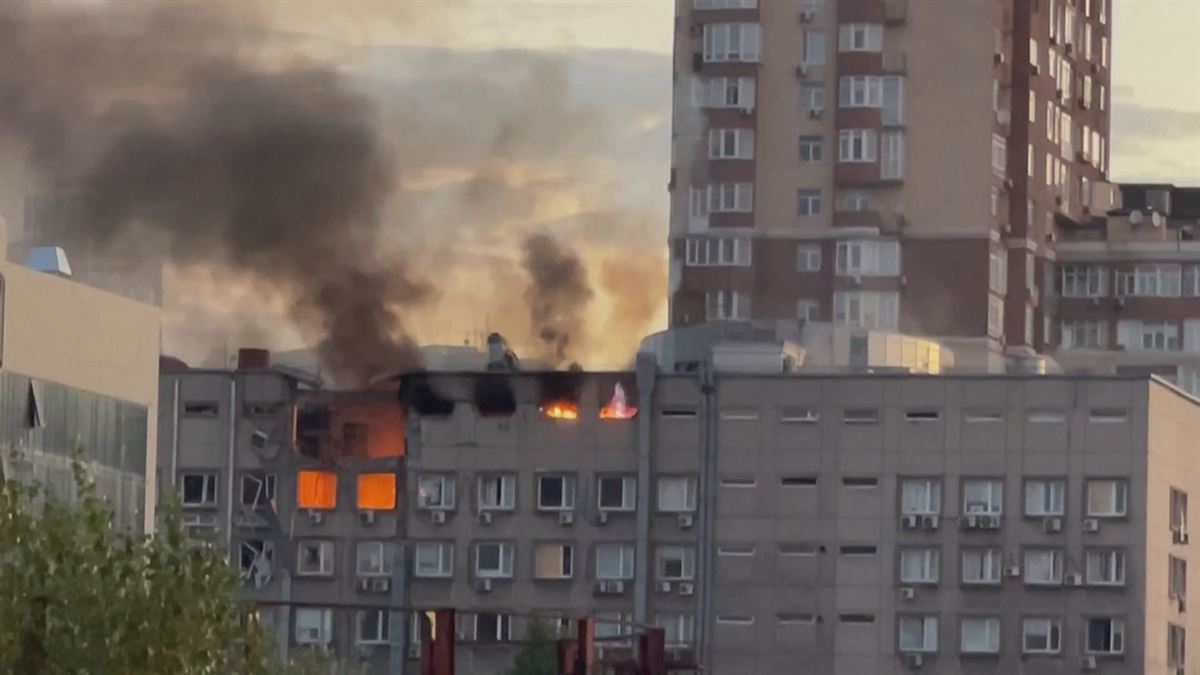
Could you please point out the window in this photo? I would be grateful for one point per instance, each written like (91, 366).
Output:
(919, 565)
(724, 92)
(979, 635)
(1106, 567)
(893, 100)
(314, 626)
(866, 309)
(725, 4)
(814, 48)
(1179, 511)
(731, 144)
(808, 202)
(808, 258)
(1045, 497)
(435, 491)
(812, 97)
(1043, 566)
(372, 627)
(258, 490)
(808, 310)
(255, 558)
(860, 416)
(617, 493)
(718, 251)
(553, 561)
(921, 496)
(1151, 281)
(868, 257)
(860, 37)
(316, 489)
(1083, 281)
(1176, 577)
(857, 145)
(314, 558)
(489, 627)
(1107, 498)
(199, 489)
(994, 204)
(858, 551)
(999, 155)
(676, 563)
(725, 198)
(556, 492)
(854, 200)
(918, 633)
(1176, 646)
(860, 91)
(739, 483)
(613, 625)
(731, 42)
(981, 565)
(614, 561)
(679, 629)
(736, 550)
(1148, 335)
(998, 272)
(719, 305)
(434, 559)
(735, 619)
(201, 409)
(1042, 416)
(995, 315)
(498, 492)
(371, 559)
(1084, 334)
(494, 560)
(812, 148)
(1105, 635)
(983, 497)
(1041, 635)
(677, 494)
(376, 491)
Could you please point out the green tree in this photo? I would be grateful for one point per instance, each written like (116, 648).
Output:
(539, 654)
(77, 597)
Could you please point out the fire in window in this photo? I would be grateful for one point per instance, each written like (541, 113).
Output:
(618, 407)
(376, 491)
(560, 396)
(316, 490)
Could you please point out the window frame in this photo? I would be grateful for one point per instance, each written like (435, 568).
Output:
(448, 498)
(686, 558)
(1120, 497)
(932, 497)
(690, 488)
(568, 487)
(445, 559)
(327, 552)
(626, 561)
(1057, 565)
(210, 489)
(380, 548)
(566, 560)
(930, 625)
(993, 630)
(382, 633)
(990, 558)
(507, 495)
(628, 493)
(1116, 633)
(505, 554)
(1113, 560)
(1048, 490)
(1053, 634)
(930, 564)
(995, 497)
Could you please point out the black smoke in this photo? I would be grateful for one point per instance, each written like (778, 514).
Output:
(558, 295)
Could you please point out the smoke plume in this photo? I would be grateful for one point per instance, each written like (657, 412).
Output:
(558, 295)
(276, 171)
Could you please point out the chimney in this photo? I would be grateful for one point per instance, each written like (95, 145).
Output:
(500, 357)
(253, 358)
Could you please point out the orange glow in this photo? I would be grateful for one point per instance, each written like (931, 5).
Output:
(377, 491)
(561, 410)
(618, 408)
(316, 490)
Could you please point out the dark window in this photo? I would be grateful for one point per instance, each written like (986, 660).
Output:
(199, 489)
(799, 481)
(679, 412)
(201, 408)
(858, 550)
(860, 482)
(491, 627)
(258, 490)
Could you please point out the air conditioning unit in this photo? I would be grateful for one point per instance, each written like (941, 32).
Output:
(909, 522)
(602, 518)
(485, 517)
(1091, 524)
(483, 585)
(1087, 663)
(414, 650)
(315, 517)
(566, 518)
(914, 660)
(437, 517)
(363, 585)
(908, 593)
(989, 522)
(1179, 537)
(687, 589)
(686, 520)
(664, 587)
(381, 585)
(930, 522)
(1013, 571)
(970, 522)
(815, 113)
(367, 517)
(806, 17)
(610, 587)
(1073, 579)
(746, 112)
(1052, 524)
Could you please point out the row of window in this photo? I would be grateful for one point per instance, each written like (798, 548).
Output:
(1146, 280)
(1044, 497)
(556, 492)
(314, 490)
(1040, 566)
(553, 561)
(854, 257)
(806, 415)
(1132, 334)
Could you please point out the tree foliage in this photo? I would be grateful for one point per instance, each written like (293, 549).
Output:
(77, 597)
(539, 655)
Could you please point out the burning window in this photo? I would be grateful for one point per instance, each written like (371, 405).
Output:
(618, 407)
(355, 440)
(316, 490)
(376, 491)
(311, 424)
(560, 396)
(494, 396)
(419, 395)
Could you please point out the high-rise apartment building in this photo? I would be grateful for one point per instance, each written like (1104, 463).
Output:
(891, 164)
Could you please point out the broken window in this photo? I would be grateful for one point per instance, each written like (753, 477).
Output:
(419, 395)
(201, 408)
(556, 492)
(311, 424)
(255, 562)
(258, 490)
(199, 489)
(494, 396)
(355, 440)
(560, 396)
(262, 408)
(377, 491)
(316, 490)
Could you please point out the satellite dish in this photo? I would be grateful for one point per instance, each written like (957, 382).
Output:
(1156, 219)
(1135, 218)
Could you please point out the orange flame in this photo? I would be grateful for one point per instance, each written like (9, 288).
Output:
(561, 410)
(618, 408)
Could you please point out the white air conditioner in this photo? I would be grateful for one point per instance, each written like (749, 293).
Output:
(1087, 663)
(664, 587)
(686, 520)
(970, 522)
(1013, 571)
(815, 113)
(930, 522)
(566, 517)
(908, 593)
(687, 589)
(746, 112)
(381, 585)
(1052, 525)
(610, 587)
(989, 522)
(908, 522)
(483, 585)
(485, 517)
(1091, 524)
(367, 517)
(437, 517)
(315, 517)
(1073, 579)
(914, 660)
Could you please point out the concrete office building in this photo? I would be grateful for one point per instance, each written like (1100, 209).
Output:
(826, 524)
(893, 164)
(78, 372)
(300, 485)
